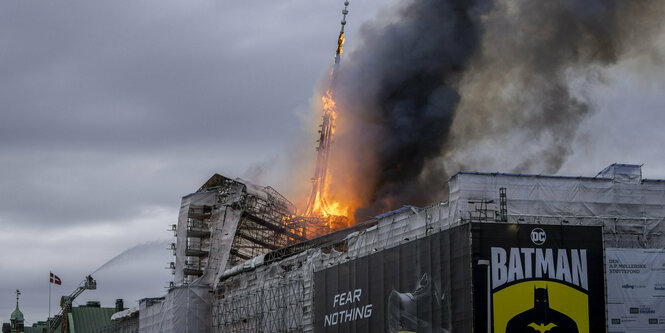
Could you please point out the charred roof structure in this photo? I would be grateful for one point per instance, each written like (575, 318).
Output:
(227, 221)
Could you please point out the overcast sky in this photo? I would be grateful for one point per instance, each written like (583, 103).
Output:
(113, 110)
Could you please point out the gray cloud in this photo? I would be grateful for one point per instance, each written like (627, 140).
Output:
(528, 91)
(113, 106)
(113, 110)
(143, 75)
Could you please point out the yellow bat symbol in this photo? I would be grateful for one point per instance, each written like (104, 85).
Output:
(542, 328)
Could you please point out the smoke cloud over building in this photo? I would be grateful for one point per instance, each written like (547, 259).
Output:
(436, 86)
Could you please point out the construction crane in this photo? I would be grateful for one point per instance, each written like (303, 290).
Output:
(316, 204)
(66, 302)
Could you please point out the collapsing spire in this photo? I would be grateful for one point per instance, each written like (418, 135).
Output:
(340, 39)
(317, 204)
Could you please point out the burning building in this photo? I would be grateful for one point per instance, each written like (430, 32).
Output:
(455, 265)
(503, 253)
(222, 225)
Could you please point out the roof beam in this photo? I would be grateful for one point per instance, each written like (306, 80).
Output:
(272, 227)
(258, 241)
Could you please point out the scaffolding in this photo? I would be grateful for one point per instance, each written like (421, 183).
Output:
(198, 239)
(274, 306)
(266, 225)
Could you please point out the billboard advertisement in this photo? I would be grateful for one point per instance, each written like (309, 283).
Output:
(538, 278)
(407, 288)
(635, 290)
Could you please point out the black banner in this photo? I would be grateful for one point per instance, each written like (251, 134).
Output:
(538, 278)
(517, 278)
(410, 288)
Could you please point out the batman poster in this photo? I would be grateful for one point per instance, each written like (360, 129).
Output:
(538, 278)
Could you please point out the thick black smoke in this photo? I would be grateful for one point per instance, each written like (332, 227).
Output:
(399, 93)
(439, 85)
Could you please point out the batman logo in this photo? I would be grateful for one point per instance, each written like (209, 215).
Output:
(542, 328)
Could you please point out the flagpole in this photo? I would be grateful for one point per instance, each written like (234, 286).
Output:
(48, 319)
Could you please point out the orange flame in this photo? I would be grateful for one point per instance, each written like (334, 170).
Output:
(340, 43)
(329, 105)
(322, 202)
(321, 206)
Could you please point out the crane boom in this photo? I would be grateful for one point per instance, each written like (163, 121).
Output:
(66, 302)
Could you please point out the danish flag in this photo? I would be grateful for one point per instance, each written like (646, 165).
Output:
(55, 279)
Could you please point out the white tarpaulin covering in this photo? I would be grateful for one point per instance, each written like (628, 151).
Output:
(192, 200)
(635, 290)
(184, 309)
(630, 212)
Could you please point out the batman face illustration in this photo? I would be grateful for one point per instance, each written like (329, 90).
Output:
(541, 318)
(540, 299)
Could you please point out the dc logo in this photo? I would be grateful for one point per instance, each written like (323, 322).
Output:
(538, 236)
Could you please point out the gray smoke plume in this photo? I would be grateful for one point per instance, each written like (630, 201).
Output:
(442, 85)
